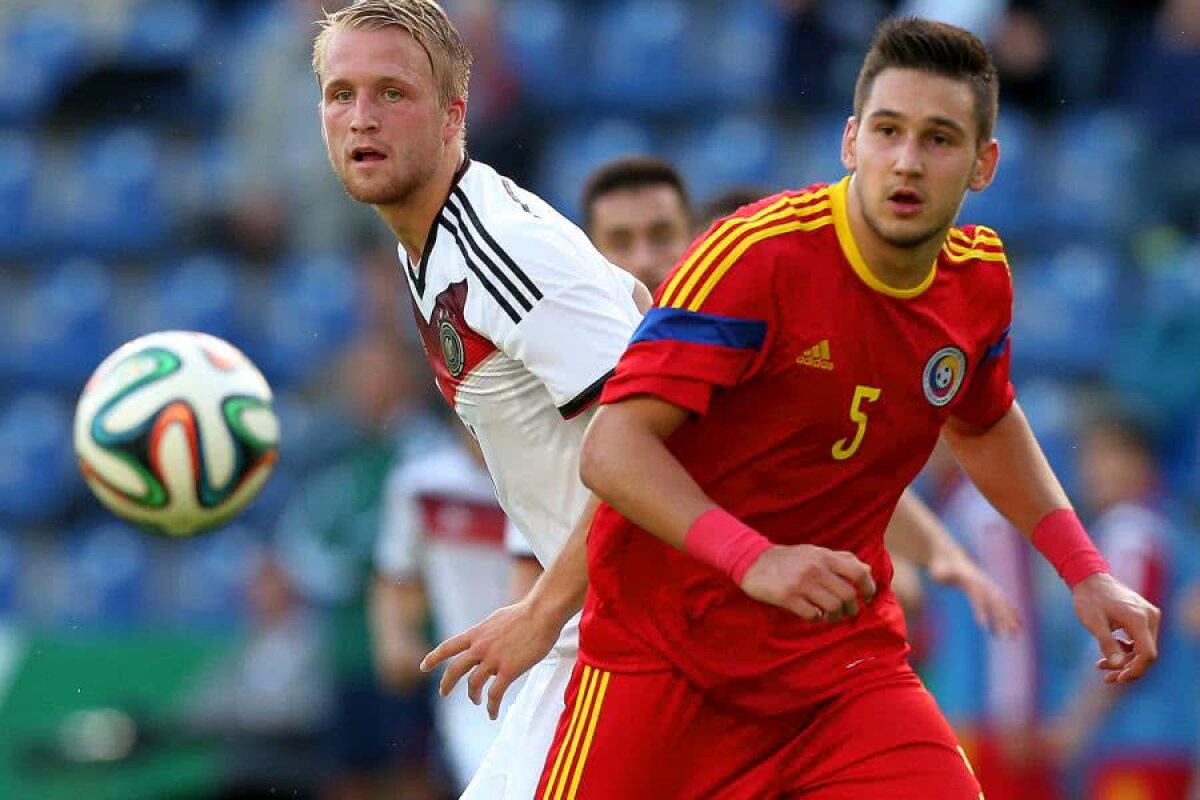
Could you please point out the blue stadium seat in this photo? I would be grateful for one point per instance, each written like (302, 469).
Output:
(11, 568)
(198, 293)
(46, 43)
(1065, 314)
(27, 90)
(115, 202)
(210, 575)
(732, 151)
(744, 49)
(1096, 175)
(64, 328)
(1052, 408)
(1016, 202)
(540, 36)
(812, 150)
(645, 58)
(105, 576)
(17, 160)
(574, 151)
(163, 33)
(307, 316)
(38, 477)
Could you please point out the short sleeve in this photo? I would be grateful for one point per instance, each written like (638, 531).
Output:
(709, 330)
(515, 542)
(397, 550)
(576, 330)
(990, 392)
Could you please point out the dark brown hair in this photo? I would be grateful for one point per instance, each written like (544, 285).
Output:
(632, 172)
(939, 49)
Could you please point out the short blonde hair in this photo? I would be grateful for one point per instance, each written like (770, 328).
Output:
(423, 20)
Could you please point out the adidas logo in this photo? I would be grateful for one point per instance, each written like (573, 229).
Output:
(816, 356)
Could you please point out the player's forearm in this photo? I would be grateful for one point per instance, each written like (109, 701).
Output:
(558, 593)
(1008, 467)
(625, 462)
(916, 533)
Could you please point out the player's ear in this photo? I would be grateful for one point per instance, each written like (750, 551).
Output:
(849, 136)
(456, 118)
(985, 166)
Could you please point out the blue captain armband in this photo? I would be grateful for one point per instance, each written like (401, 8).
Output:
(693, 327)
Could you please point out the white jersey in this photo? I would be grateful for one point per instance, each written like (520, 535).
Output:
(441, 523)
(522, 321)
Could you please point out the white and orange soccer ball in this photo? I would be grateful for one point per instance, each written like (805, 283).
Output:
(176, 432)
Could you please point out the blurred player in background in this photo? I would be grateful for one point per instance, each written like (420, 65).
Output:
(798, 369)
(637, 212)
(521, 319)
(1139, 739)
(988, 686)
(440, 556)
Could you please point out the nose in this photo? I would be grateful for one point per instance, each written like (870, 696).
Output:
(364, 117)
(908, 157)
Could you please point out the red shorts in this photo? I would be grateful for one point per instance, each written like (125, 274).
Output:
(652, 735)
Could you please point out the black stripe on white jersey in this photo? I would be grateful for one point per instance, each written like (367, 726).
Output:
(486, 260)
(487, 237)
(471, 265)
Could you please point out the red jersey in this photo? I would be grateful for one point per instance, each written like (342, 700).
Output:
(817, 394)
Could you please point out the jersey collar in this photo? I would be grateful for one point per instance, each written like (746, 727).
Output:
(841, 222)
(418, 274)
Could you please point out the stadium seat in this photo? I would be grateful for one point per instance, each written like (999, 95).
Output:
(210, 574)
(574, 151)
(37, 472)
(738, 29)
(17, 160)
(645, 58)
(1065, 314)
(732, 151)
(163, 33)
(11, 553)
(1052, 408)
(539, 37)
(308, 314)
(1016, 202)
(105, 576)
(115, 200)
(64, 328)
(198, 293)
(1095, 174)
(47, 43)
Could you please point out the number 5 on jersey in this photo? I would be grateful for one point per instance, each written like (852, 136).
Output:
(862, 395)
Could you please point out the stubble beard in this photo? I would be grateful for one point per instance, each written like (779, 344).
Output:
(397, 190)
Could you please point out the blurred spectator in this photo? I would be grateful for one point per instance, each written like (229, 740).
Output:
(326, 538)
(725, 203)
(1139, 739)
(989, 685)
(269, 701)
(285, 195)
(440, 554)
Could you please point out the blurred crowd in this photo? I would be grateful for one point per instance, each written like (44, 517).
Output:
(161, 166)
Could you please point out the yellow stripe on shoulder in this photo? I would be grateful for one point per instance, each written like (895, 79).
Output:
(690, 273)
(788, 226)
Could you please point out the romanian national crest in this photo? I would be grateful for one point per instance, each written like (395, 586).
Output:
(944, 373)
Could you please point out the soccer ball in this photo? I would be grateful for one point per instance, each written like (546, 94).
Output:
(175, 432)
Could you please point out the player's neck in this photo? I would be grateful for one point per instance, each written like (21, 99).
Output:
(892, 265)
(411, 220)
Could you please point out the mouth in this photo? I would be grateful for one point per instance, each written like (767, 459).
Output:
(366, 155)
(905, 201)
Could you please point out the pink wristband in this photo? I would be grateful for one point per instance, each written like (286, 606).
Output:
(1060, 537)
(720, 539)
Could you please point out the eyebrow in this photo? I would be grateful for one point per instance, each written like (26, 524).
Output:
(339, 82)
(943, 121)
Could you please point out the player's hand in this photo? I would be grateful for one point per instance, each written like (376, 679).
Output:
(503, 646)
(1105, 605)
(813, 582)
(992, 608)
